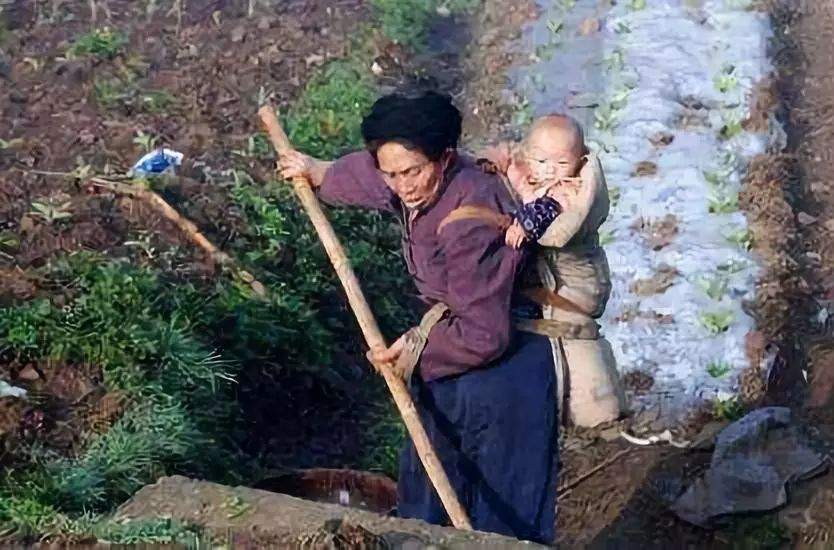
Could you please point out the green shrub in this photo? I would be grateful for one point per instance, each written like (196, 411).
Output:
(104, 43)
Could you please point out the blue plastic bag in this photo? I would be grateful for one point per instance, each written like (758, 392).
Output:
(157, 162)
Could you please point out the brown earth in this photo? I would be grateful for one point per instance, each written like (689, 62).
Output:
(215, 72)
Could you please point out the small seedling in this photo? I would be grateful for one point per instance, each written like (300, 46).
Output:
(544, 52)
(731, 128)
(565, 4)
(622, 28)
(156, 101)
(716, 180)
(235, 507)
(722, 201)
(614, 196)
(615, 61)
(713, 286)
(638, 4)
(740, 237)
(727, 409)
(606, 237)
(103, 43)
(620, 99)
(718, 368)
(555, 26)
(605, 117)
(146, 141)
(716, 322)
(51, 211)
(523, 112)
(725, 83)
(732, 266)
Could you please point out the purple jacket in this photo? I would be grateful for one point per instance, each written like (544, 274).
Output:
(466, 265)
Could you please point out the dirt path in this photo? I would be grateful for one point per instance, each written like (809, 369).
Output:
(806, 69)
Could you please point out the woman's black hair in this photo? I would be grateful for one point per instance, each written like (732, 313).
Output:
(428, 122)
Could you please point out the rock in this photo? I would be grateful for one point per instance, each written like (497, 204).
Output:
(705, 439)
(829, 225)
(282, 521)
(29, 373)
(17, 96)
(754, 459)
(805, 219)
(611, 433)
(238, 34)
(69, 383)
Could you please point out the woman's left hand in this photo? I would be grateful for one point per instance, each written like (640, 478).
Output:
(382, 356)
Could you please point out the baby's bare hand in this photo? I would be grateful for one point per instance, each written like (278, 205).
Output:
(515, 236)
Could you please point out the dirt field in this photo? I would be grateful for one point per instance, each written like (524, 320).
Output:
(194, 81)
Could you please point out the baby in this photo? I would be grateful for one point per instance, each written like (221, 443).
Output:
(563, 201)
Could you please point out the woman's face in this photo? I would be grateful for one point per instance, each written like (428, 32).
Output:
(410, 174)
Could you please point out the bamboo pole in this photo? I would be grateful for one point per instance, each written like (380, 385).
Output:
(370, 329)
(185, 225)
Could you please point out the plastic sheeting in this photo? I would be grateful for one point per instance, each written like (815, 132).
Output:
(684, 69)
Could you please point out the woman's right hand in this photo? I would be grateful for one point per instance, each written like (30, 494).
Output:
(293, 164)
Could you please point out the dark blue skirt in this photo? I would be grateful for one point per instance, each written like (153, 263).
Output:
(496, 432)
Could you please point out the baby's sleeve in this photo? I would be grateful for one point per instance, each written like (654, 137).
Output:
(535, 217)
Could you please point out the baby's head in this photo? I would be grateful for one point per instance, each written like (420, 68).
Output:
(554, 149)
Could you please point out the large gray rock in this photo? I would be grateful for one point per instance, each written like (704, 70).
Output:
(255, 518)
(754, 459)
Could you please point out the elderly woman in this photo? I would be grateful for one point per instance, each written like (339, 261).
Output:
(484, 392)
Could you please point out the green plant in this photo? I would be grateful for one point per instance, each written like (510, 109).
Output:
(727, 409)
(733, 266)
(731, 128)
(718, 368)
(605, 117)
(555, 26)
(257, 146)
(104, 43)
(523, 112)
(725, 81)
(615, 61)
(741, 237)
(149, 531)
(51, 210)
(606, 237)
(622, 28)
(406, 21)
(637, 4)
(716, 322)
(235, 507)
(713, 286)
(722, 201)
(757, 533)
(156, 101)
(614, 195)
(325, 121)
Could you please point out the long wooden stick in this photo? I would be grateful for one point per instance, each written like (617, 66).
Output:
(370, 329)
(185, 225)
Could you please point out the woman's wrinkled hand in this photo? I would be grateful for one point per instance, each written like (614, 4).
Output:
(293, 164)
(386, 356)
